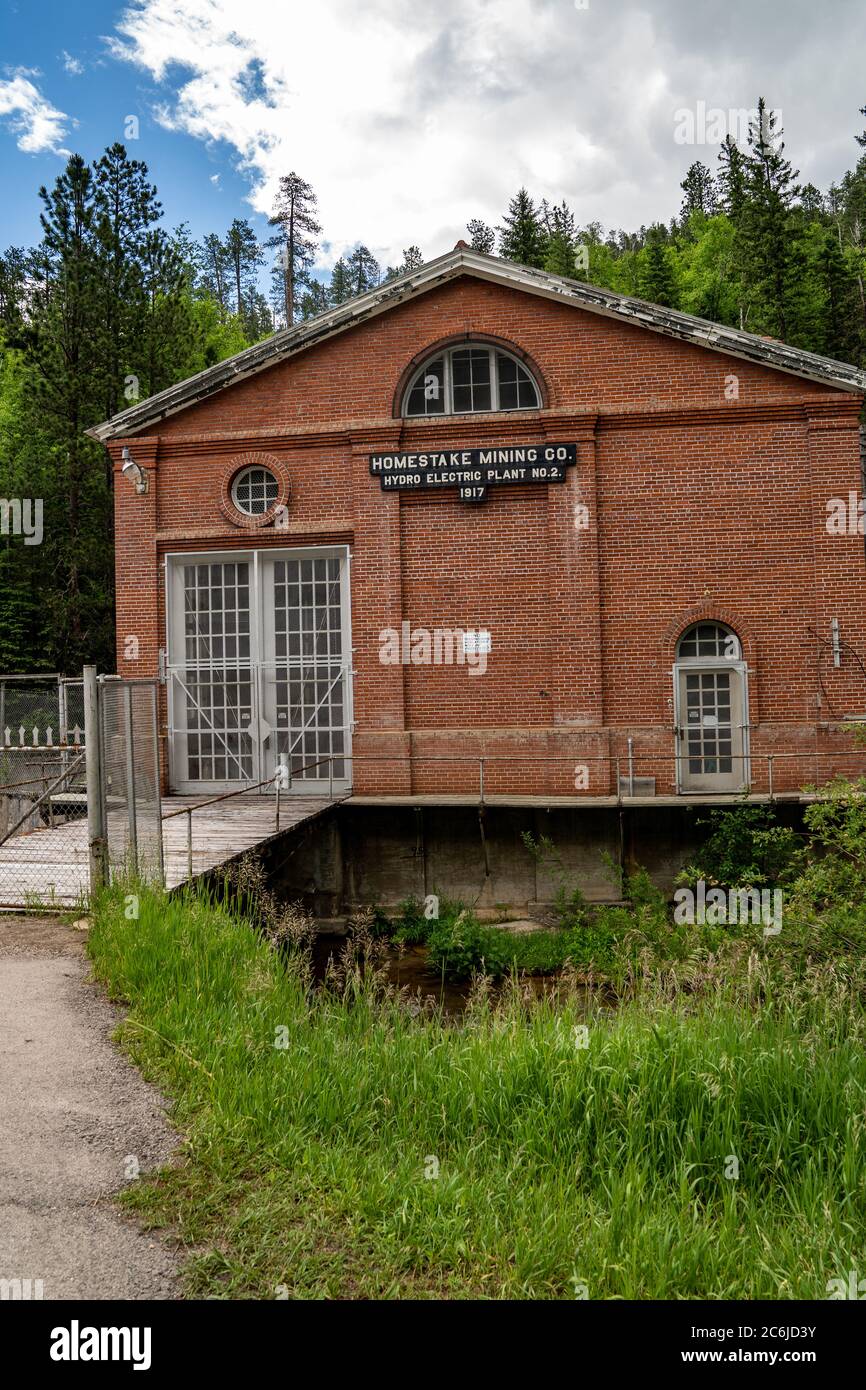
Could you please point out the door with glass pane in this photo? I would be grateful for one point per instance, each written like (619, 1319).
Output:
(711, 730)
(305, 673)
(259, 669)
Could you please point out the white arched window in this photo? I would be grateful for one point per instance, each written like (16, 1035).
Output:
(712, 709)
(471, 378)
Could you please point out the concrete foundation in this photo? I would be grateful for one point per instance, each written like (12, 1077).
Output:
(380, 855)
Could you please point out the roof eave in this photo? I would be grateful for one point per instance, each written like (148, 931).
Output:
(280, 346)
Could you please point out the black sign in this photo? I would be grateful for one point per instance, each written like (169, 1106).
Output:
(473, 471)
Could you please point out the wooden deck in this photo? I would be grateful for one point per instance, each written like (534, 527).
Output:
(49, 867)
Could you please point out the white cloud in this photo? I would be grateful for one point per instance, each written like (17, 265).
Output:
(408, 120)
(40, 127)
(72, 65)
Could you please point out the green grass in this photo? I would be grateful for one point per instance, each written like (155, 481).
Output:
(305, 1168)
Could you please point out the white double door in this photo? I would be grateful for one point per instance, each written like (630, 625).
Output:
(259, 668)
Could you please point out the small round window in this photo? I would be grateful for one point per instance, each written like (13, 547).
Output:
(254, 490)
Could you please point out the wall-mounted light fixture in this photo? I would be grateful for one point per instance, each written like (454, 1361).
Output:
(130, 469)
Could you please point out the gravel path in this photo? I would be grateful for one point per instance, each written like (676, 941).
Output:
(73, 1113)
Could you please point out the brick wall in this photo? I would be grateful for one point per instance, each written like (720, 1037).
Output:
(706, 498)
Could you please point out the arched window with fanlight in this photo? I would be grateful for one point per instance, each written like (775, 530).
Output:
(470, 379)
(710, 689)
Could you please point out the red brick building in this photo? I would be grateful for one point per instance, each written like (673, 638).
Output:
(295, 556)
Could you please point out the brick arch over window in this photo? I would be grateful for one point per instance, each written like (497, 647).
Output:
(274, 465)
(459, 340)
(711, 612)
(707, 613)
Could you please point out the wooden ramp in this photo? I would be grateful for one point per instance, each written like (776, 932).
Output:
(45, 868)
(228, 828)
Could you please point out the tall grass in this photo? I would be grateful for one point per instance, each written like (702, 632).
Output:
(380, 1153)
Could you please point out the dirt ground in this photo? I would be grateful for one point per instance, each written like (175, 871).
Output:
(75, 1120)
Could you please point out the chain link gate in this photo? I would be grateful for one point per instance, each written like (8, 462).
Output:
(43, 799)
(129, 778)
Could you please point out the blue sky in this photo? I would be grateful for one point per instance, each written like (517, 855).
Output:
(410, 119)
(99, 98)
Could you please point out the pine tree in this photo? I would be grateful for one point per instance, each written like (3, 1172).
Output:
(362, 270)
(699, 188)
(165, 344)
(561, 240)
(769, 234)
(481, 237)
(812, 204)
(521, 236)
(339, 289)
(837, 298)
(259, 318)
(64, 398)
(215, 270)
(412, 259)
(656, 276)
(295, 213)
(22, 474)
(125, 209)
(731, 184)
(244, 256)
(314, 300)
(13, 294)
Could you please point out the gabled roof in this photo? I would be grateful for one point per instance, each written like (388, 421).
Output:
(463, 261)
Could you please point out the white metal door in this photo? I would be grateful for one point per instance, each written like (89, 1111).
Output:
(711, 729)
(259, 668)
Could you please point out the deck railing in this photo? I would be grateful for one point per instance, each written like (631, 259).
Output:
(626, 770)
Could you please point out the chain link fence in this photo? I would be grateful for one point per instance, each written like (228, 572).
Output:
(43, 794)
(50, 847)
(129, 748)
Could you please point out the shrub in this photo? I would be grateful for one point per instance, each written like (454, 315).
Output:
(746, 847)
(460, 946)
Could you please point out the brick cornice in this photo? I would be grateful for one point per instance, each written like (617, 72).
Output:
(817, 414)
(691, 417)
(833, 415)
(143, 448)
(337, 532)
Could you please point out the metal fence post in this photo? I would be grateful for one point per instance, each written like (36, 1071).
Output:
(130, 778)
(157, 790)
(95, 790)
(62, 709)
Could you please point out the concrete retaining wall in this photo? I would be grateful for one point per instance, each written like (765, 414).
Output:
(379, 855)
